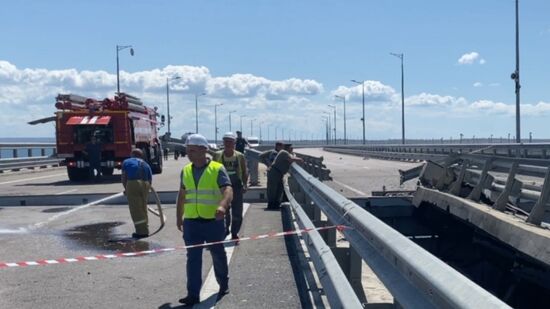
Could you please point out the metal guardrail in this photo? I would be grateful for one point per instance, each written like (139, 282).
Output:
(30, 163)
(17, 156)
(427, 151)
(315, 166)
(416, 278)
(312, 165)
(520, 184)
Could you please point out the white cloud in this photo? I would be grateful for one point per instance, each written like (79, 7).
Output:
(478, 84)
(469, 58)
(434, 100)
(482, 61)
(30, 85)
(374, 91)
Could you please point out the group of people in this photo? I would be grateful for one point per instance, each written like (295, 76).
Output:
(210, 200)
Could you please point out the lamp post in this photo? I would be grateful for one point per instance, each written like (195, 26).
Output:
(251, 126)
(260, 127)
(168, 79)
(362, 119)
(334, 123)
(400, 56)
(197, 111)
(231, 112)
(515, 77)
(326, 120)
(216, 122)
(119, 48)
(345, 131)
(329, 126)
(242, 116)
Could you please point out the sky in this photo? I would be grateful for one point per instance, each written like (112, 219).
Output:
(280, 64)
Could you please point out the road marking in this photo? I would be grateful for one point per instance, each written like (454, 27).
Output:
(63, 192)
(27, 179)
(350, 188)
(209, 290)
(61, 214)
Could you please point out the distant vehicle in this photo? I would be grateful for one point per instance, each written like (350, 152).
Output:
(253, 141)
(213, 146)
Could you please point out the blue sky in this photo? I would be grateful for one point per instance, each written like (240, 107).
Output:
(282, 62)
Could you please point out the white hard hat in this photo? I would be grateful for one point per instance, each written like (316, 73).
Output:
(229, 135)
(196, 140)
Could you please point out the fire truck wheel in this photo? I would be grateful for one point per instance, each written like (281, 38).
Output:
(77, 174)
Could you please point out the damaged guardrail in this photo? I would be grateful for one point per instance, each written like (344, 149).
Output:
(416, 278)
(312, 165)
(519, 184)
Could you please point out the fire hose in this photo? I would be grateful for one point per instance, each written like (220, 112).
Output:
(157, 212)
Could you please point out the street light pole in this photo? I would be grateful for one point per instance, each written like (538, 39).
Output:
(334, 107)
(515, 77)
(231, 112)
(329, 126)
(197, 111)
(251, 127)
(363, 92)
(400, 56)
(242, 116)
(345, 131)
(216, 122)
(119, 48)
(168, 79)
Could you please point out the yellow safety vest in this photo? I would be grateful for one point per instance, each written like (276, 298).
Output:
(233, 164)
(202, 200)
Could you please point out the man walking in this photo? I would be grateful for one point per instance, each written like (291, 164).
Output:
(235, 164)
(136, 179)
(203, 199)
(275, 174)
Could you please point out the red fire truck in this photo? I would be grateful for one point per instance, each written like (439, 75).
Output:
(118, 124)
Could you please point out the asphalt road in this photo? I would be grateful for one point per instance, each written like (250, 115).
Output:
(260, 271)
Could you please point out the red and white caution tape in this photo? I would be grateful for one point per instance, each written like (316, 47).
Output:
(153, 251)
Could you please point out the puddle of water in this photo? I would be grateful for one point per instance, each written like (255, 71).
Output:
(57, 209)
(101, 236)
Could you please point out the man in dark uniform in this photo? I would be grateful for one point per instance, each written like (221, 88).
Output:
(275, 175)
(241, 142)
(93, 152)
(267, 157)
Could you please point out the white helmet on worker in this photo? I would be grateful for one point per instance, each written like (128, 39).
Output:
(196, 140)
(230, 136)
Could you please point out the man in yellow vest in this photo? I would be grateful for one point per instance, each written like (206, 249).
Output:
(235, 164)
(203, 199)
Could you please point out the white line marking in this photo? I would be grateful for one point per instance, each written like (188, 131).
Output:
(61, 214)
(350, 188)
(68, 191)
(209, 290)
(28, 179)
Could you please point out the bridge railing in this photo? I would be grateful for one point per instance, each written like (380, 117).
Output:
(415, 278)
(521, 185)
(16, 156)
(433, 152)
